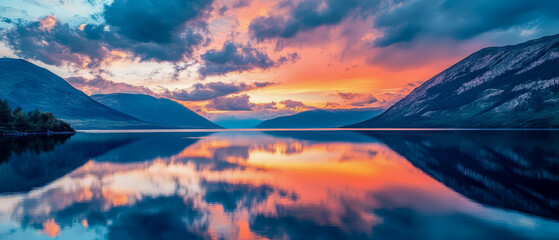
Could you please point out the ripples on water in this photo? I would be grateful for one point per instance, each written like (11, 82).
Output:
(281, 184)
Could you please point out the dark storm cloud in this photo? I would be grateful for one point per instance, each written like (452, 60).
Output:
(146, 29)
(233, 103)
(403, 21)
(174, 51)
(62, 44)
(207, 91)
(305, 16)
(234, 58)
(152, 20)
(458, 19)
(54, 44)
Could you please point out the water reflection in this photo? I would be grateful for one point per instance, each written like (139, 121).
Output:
(516, 170)
(276, 185)
(28, 144)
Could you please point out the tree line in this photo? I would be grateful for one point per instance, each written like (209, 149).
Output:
(17, 120)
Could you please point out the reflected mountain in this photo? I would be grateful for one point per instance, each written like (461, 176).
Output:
(34, 161)
(149, 146)
(517, 170)
(38, 160)
(35, 144)
(253, 185)
(323, 136)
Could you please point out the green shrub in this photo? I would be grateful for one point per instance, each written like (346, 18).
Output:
(33, 121)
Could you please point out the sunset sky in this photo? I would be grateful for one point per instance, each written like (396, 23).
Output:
(262, 58)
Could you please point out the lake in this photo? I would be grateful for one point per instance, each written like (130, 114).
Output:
(326, 184)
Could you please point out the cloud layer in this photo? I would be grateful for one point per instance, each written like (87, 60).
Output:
(153, 21)
(211, 90)
(233, 103)
(99, 85)
(173, 31)
(358, 99)
(458, 19)
(198, 92)
(238, 58)
(405, 21)
(305, 16)
(149, 30)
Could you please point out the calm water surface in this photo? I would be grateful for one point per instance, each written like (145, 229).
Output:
(281, 185)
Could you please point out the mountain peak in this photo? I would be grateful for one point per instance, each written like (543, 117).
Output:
(30, 87)
(15, 60)
(512, 86)
(321, 118)
(155, 110)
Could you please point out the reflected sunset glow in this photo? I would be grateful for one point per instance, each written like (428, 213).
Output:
(228, 181)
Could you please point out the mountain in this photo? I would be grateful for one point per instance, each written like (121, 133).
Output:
(499, 87)
(28, 86)
(154, 110)
(231, 122)
(321, 118)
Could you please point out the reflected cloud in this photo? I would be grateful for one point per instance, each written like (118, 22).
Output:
(51, 229)
(239, 185)
(158, 218)
(233, 196)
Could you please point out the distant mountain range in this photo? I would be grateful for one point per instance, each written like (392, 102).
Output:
(321, 118)
(169, 113)
(28, 86)
(232, 121)
(499, 87)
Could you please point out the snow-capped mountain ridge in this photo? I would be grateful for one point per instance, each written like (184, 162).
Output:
(509, 86)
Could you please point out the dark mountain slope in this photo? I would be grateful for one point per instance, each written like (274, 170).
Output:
(500, 87)
(28, 86)
(321, 118)
(155, 110)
